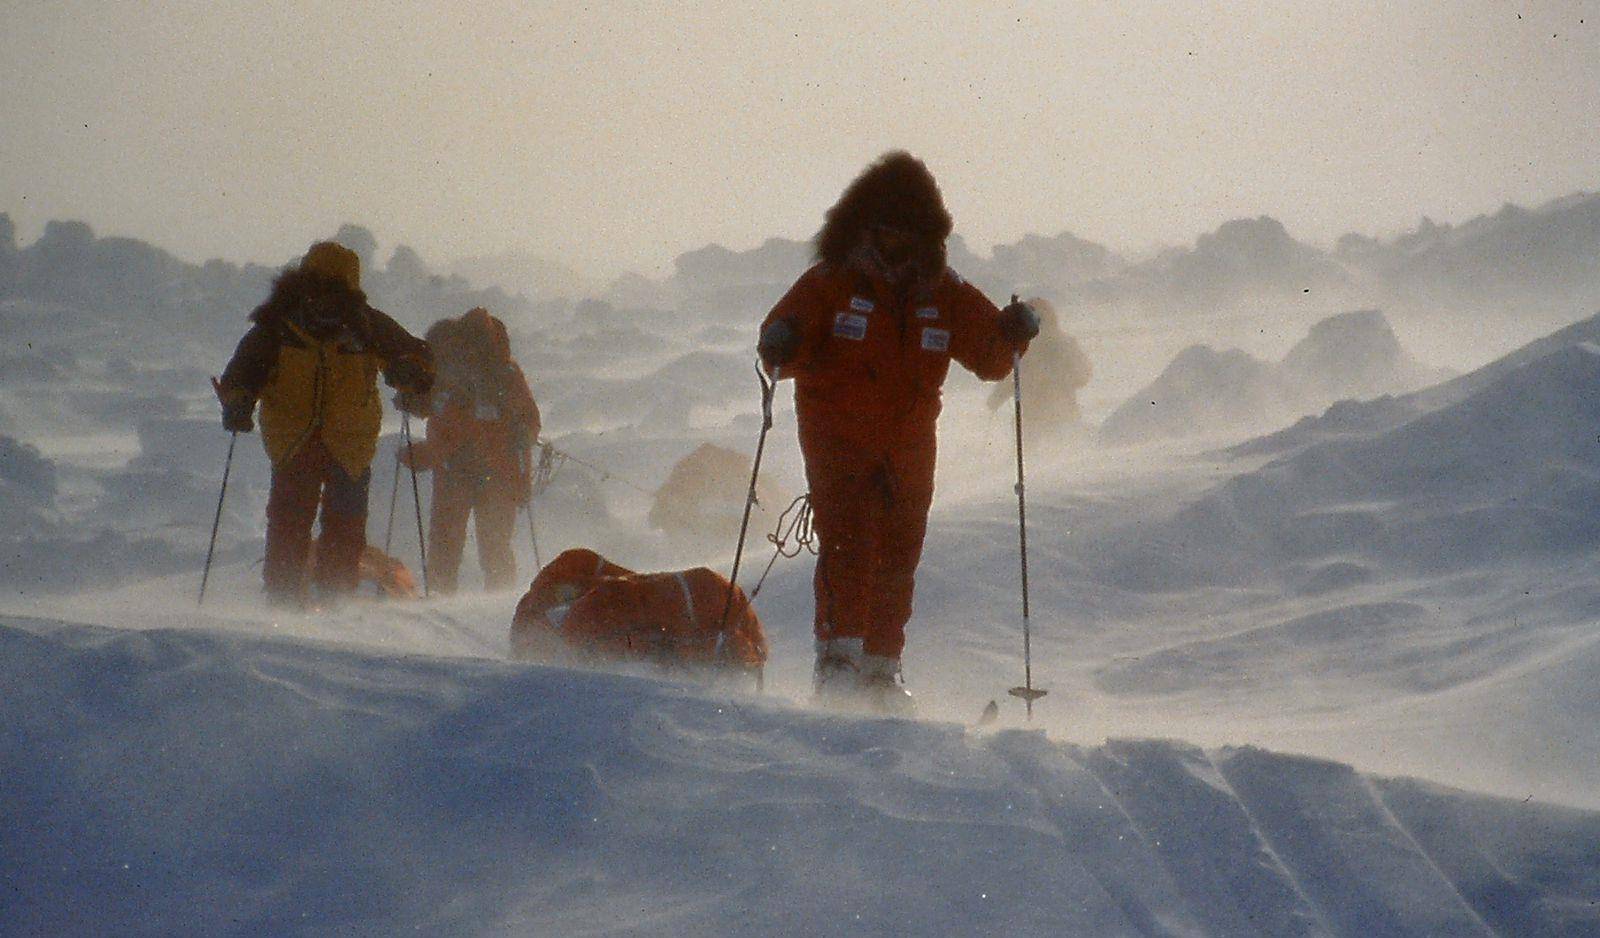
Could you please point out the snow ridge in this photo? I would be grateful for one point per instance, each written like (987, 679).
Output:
(197, 782)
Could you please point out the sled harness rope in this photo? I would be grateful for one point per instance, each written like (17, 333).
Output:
(544, 471)
(555, 458)
(793, 525)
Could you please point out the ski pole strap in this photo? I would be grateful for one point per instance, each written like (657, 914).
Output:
(768, 386)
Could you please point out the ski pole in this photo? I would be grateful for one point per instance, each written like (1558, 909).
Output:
(527, 456)
(216, 520)
(394, 496)
(750, 494)
(1027, 691)
(416, 497)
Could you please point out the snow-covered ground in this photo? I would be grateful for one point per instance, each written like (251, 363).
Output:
(194, 781)
(1397, 587)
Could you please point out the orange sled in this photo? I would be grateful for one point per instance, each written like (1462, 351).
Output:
(585, 606)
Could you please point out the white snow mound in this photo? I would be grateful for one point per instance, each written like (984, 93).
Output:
(192, 782)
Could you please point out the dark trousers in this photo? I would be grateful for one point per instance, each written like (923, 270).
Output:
(309, 478)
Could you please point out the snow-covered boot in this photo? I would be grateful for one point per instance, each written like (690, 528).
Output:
(883, 686)
(835, 678)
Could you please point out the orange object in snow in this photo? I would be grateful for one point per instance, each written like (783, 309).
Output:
(573, 573)
(585, 605)
(386, 576)
(392, 578)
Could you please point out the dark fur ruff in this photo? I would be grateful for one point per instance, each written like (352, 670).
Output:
(294, 286)
(896, 190)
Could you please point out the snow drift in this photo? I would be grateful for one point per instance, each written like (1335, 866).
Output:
(191, 782)
(1351, 355)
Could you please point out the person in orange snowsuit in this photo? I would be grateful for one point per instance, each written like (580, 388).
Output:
(312, 358)
(586, 606)
(868, 334)
(482, 424)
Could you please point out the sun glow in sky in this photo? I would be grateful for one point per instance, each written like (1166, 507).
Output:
(612, 136)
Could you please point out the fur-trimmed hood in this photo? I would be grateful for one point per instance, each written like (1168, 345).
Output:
(294, 287)
(896, 190)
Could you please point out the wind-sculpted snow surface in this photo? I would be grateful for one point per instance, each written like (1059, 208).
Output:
(191, 782)
(1351, 355)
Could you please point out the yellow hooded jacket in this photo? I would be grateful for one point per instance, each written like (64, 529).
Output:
(322, 385)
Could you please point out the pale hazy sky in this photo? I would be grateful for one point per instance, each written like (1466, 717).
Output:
(618, 135)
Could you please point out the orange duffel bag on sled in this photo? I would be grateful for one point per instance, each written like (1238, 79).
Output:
(582, 605)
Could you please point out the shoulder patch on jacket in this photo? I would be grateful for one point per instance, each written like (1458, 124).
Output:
(861, 304)
(936, 340)
(928, 312)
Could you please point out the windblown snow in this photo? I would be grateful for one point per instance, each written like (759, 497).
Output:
(1324, 668)
(178, 781)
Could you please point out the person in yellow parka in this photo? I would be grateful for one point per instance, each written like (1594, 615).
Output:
(312, 359)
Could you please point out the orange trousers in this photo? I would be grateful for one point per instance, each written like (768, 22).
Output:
(870, 509)
(309, 478)
(458, 496)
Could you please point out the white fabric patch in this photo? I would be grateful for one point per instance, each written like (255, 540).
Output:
(850, 326)
(936, 340)
(928, 312)
(688, 598)
(861, 304)
(557, 614)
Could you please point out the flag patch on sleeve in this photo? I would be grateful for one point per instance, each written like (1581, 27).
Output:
(928, 312)
(850, 326)
(936, 340)
(861, 304)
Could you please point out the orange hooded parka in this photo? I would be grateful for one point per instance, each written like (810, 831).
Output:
(875, 345)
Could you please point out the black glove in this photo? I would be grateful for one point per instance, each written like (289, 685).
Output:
(779, 343)
(410, 376)
(236, 418)
(1018, 322)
